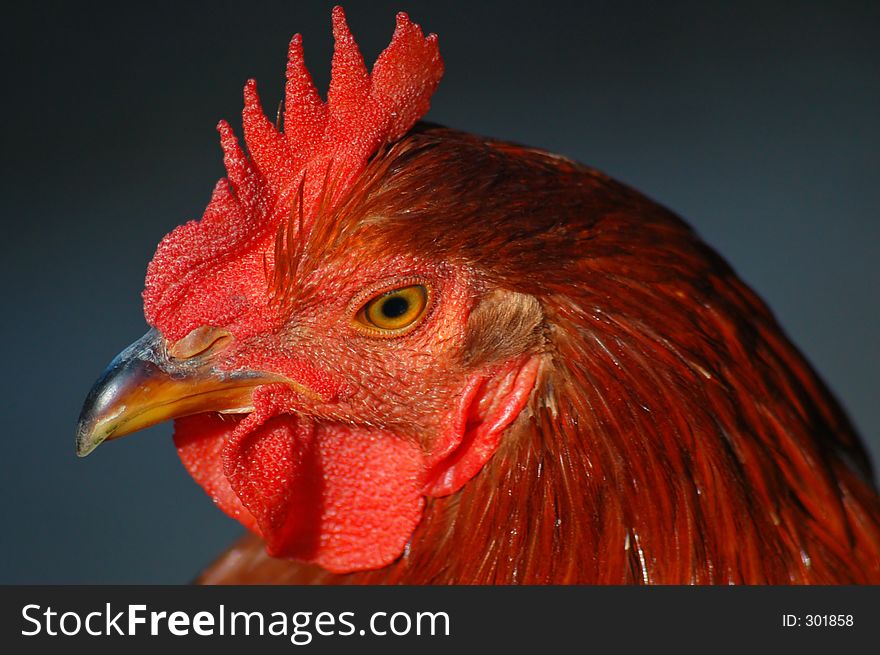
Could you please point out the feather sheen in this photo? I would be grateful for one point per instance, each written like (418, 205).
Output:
(675, 435)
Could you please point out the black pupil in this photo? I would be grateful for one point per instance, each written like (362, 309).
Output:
(395, 307)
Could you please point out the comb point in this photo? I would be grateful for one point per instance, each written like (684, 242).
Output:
(317, 158)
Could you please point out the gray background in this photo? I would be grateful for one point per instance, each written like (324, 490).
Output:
(758, 122)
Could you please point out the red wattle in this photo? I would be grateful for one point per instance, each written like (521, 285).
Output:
(343, 499)
(199, 440)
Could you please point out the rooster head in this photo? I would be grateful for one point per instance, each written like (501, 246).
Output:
(324, 377)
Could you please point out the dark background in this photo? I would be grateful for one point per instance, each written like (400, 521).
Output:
(758, 122)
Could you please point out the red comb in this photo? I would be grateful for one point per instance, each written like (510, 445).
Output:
(321, 141)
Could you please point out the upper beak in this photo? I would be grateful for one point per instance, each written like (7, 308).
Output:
(144, 385)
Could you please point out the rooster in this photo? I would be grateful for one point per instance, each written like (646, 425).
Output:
(399, 353)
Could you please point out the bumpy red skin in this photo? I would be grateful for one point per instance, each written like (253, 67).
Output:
(336, 475)
(340, 480)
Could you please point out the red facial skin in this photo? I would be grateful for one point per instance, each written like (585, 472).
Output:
(331, 468)
(337, 475)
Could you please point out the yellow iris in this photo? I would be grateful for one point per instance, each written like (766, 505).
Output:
(395, 310)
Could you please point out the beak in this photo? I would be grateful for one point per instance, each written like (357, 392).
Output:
(144, 385)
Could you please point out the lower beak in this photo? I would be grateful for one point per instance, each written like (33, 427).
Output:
(143, 386)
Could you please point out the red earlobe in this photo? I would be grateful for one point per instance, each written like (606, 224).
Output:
(487, 407)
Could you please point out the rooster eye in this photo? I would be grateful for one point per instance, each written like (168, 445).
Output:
(394, 311)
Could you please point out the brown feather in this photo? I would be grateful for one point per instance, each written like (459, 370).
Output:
(675, 436)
